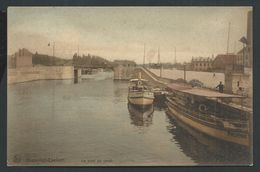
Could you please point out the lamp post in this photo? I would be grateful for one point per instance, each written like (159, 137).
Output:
(53, 50)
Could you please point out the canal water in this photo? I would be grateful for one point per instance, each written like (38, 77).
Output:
(57, 123)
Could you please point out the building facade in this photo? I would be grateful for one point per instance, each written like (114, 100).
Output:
(245, 55)
(222, 62)
(123, 69)
(22, 58)
(241, 84)
(201, 64)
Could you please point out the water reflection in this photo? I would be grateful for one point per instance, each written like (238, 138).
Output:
(140, 116)
(159, 103)
(206, 150)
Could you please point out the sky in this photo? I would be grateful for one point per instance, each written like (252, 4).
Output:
(121, 32)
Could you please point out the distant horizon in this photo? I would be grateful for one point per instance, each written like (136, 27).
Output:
(118, 33)
(62, 57)
(118, 59)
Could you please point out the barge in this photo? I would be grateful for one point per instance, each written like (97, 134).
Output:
(212, 113)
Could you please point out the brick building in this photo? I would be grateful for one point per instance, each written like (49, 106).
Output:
(223, 62)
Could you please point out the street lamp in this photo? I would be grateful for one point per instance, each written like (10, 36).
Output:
(244, 42)
(53, 49)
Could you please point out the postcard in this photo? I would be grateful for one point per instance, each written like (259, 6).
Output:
(130, 86)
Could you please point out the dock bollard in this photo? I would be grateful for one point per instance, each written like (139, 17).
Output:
(75, 76)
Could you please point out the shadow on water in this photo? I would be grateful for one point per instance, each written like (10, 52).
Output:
(140, 116)
(159, 103)
(206, 150)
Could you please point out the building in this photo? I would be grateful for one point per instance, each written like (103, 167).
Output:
(22, 58)
(11, 61)
(201, 63)
(222, 62)
(245, 55)
(241, 84)
(123, 69)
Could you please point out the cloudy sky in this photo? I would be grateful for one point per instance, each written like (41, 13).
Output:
(120, 33)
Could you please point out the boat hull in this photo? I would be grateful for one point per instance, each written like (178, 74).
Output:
(213, 132)
(140, 101)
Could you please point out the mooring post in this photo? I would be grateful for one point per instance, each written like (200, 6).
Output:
(75, 76)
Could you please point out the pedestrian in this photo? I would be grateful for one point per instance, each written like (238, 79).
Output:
(220, 87)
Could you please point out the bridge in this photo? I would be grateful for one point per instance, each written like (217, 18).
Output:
(126, 73)
(83, 69)
(92, 67)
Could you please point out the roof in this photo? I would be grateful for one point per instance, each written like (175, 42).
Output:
(201, 91)
(225, 58)
(244, 49)
(209, 93)
(23, 52)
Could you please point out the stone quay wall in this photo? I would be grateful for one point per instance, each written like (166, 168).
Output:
(26, 74)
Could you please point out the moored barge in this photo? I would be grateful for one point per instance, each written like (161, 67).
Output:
(212, 113)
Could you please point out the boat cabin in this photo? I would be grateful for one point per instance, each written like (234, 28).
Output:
(139, 85)
(209, 102)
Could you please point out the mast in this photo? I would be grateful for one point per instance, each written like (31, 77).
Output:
(159, 60)
(175, 55)
(53, 53)
(144, 56)
(78, 50)
(139, 75)
(228, 37)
